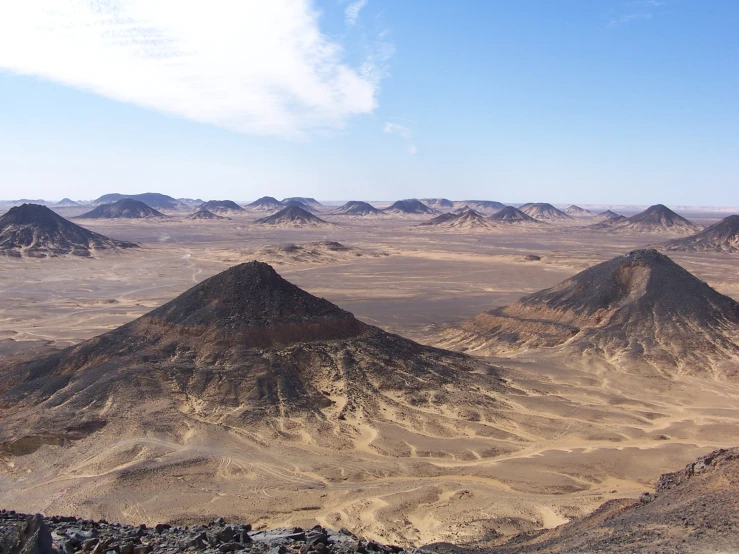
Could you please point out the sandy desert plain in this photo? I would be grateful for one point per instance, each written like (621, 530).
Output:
(566, 432)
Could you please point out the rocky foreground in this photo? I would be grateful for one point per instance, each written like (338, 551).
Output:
(35, 534)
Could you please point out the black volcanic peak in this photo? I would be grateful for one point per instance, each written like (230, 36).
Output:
(128, 208)
(577, 211)
(719, 237)
(511, 214)
(251, 296)
(220, 206)
(543, 210)
(66, 202)
(641, 307)
(266, 202)
(354, 207)
(439, 219)
(37, 231)
(292, 216)
(151, 199)
(655, 219)
(608, 214)
(411, 206)
(205, 214)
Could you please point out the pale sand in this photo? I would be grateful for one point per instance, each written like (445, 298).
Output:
(573, 434)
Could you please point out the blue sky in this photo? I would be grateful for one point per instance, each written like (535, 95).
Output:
(606, 102)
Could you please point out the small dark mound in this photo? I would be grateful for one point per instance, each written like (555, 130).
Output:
(355, 207)
(221, 206)
(293, 216)
(656, 219)
(205, 214)
(36, 231)
(266, 203)
(128, 208)
(440, 219)
(509, 214)
(544, 211)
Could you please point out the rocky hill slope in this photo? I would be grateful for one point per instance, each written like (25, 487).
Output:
(36, 231)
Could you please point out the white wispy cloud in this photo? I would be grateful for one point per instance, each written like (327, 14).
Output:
(636, 10)
(628, 18)
(251, 67)
(351, 14)
(403, 132)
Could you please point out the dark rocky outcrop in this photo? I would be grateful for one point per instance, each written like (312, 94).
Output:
(357, 208)
(655, 219)
(36, 231)
(266, 204)
(221, 207)
(640, 308)
(512, 215)
(205, 214)
(544, 212)
(293, 216)
(719, 237)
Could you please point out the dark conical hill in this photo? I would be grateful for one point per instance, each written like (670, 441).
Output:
(243, 348)
(37, 231)
(205, 214)
(655, 219)
(355, 207)
(544, 211)
(509, 214)
(266, 203)
(293, 216)
(640, 307)
(221, 206)
(719, 237)
(127, 208)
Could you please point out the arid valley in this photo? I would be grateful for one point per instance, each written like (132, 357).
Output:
(398, 442)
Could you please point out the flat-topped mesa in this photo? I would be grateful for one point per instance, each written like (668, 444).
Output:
(544, 211)
(37, 231)
(152, 199)
(486, 207)
(359, 208)
(293, 216)
(221, 207)
(638, 307)
(308, 202)
(127, 208)
(719, 237)
(410, 206)
(509, 214)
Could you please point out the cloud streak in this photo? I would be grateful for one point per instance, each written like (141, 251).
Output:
(351, 14)
(260, 68)
(403, 132)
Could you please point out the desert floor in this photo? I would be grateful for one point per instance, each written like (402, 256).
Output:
(578, 433)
